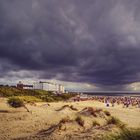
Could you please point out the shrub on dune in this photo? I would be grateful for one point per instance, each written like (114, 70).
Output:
(107, 113)
(91, 111)
(115, 121)
(16, 102)
(65, 120)
(80, 121)
(95, 123)
(129, 134)
(125, 134)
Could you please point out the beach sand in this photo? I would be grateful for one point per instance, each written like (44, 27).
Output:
(17, 123)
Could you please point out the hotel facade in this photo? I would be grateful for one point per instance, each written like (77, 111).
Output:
(49, 86)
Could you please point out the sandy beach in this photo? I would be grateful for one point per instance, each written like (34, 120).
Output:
(18, 123)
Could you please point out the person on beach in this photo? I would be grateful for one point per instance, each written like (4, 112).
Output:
(107, 102)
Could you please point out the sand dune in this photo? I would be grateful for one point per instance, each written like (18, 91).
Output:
(18, 123)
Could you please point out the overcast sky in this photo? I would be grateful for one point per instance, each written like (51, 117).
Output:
(87, 44)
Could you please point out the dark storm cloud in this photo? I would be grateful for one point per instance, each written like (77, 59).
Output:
(94, 41)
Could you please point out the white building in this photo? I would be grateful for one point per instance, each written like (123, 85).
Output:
(61, 88)
(49, 87)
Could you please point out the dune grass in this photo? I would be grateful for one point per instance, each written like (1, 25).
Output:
(115, 121)
(29, 99)
(65, 119)
(80, 121)
(95, 123)
(107, 113)
(125, 134)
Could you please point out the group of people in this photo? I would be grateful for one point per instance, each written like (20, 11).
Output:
(112, 100)
(125, 101)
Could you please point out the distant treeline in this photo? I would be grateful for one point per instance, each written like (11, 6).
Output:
(6, 85)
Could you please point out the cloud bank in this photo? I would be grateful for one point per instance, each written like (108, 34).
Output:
(91, 41)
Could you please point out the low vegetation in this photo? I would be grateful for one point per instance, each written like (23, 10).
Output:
(125, 134)
(95, 123)
(29, 99)
(16, 102)
(65, 120)
(67, 106)
(107, 113)
(115, 121)
(91, 111)
(80, 121)
(34, 95)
